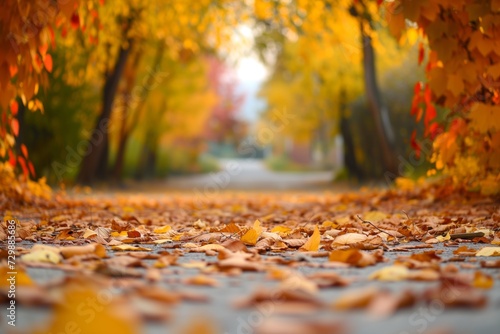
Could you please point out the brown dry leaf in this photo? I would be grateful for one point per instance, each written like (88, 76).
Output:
(202, 280)
(328, 279)
(239, 263)
(292, 326)
(453, 295)
(119, 225)
(296, 297)
(296, 281)
(295, 243)
(464, 251)
(482, 280)
(490, 264)
(356, 299)
(356, 257)
(312, 244)
(386, 303)
(235, 245)
(349, 238)
(71, 251)
(158, 294)
(231, 228)
(133, 234)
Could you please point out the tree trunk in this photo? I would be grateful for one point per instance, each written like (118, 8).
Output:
(349, 150)
(380, 113)
(96, 155)
(127, 130)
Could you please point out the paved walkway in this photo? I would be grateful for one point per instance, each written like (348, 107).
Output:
(251, 174)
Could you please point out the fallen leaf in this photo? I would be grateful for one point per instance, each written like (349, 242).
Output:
(71, 251)
(312, 244)
(391, 273)
(202, 280)
(489, 251)
(42, 255)
(355, 299)
(252, 235)
(356, 257)
(482, 280)
(349, 238)
(124, 248)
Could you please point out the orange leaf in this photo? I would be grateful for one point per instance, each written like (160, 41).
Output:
(47, 61)
(430, 114)
(420, 53)
(24, 149)
(22, 162)
(312, 245)
(32, 169)
(14, 124)
(14, 107)
(12, 158)
(251, 237)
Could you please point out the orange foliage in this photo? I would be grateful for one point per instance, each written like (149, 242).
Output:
(27, 30)
(463, 75)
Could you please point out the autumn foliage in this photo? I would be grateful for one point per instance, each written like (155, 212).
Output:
(459, 46)
(27, 30)
(463, 75)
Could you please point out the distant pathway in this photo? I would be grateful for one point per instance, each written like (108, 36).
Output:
(251, 174)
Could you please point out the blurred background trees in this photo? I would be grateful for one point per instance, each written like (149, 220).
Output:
(127, 89)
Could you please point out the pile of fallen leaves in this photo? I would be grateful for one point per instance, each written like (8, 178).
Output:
(120, 251)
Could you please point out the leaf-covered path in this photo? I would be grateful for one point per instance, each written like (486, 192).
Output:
(256, 263)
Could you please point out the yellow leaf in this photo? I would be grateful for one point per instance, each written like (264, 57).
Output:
(252, 235)
(489, 251)
(129, 248)
(89, 310)
(482, 280)
(42, 255)
(445, 238)
(163, 229)
(391, 273)
(281, 230)
(374, 216)
(312, 245)
(211, 247)
(330, 224)
(484, 117)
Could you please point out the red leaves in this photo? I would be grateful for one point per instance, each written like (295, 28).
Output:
(430, 114)
(421, 53)
(14, 125)
(75, 21)
(14, 107)
(415, 145)
(47, 61)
